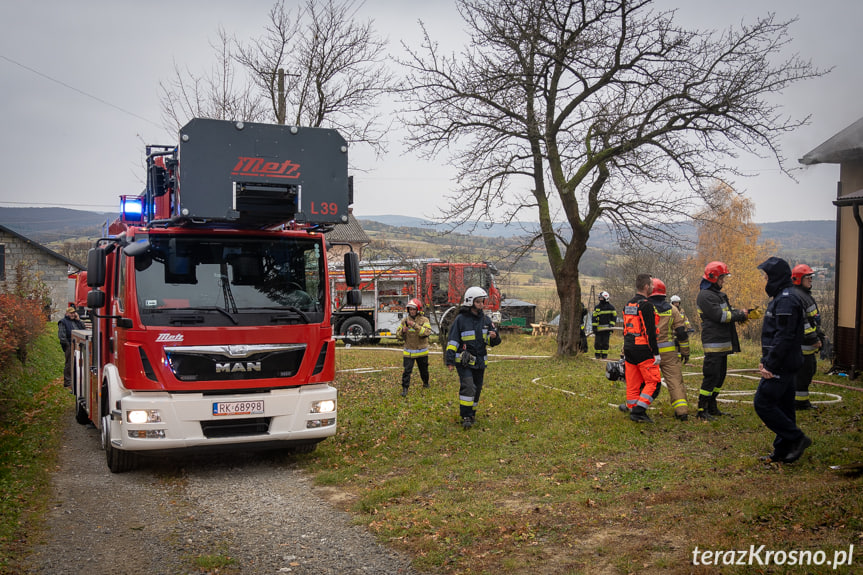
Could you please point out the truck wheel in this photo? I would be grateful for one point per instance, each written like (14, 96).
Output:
(81, 413)
(356, 330)
(118, 461)
(446, 322)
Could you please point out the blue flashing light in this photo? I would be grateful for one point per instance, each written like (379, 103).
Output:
(131, 208)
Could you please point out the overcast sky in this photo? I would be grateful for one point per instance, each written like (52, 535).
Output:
(79, 94)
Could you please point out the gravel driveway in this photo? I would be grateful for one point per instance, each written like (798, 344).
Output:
(259, 509)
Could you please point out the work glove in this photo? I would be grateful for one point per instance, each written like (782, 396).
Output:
(656, 359)
(685, 358)
(755, 313)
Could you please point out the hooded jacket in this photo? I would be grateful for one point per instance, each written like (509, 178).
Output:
(782, 330)
(718, 333)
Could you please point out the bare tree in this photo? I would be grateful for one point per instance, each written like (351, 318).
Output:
(599, 109)
(218, 94)
(317, 66)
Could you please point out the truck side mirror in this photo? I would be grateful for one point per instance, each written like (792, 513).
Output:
(95, 298)
(353, 297)
(352, 269)
(95, 268)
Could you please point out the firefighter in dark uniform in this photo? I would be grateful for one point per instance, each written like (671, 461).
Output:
(813, 337)
(641, 350)
(718, 335)
(781, 358)
(604, 317)
(471, 334)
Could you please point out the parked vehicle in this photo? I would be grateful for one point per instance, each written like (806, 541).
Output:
(387, 286)
(212, 324)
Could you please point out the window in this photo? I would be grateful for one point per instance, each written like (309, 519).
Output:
(2, 263)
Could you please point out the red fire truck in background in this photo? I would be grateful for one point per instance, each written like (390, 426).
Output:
(387, 286)
(210, 299)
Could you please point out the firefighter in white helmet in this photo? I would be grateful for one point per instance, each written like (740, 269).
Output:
(604, 318)
(471, 334)
(415, 330)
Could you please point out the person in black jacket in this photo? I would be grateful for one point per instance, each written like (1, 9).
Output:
(718, 336)
(781, 358)
(64, 333)
(604, 317)
(466, 351)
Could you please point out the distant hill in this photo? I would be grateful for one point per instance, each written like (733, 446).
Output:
(797, 239)
(46, 225)
(812, 240)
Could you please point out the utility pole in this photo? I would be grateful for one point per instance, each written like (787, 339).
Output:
(280, 113)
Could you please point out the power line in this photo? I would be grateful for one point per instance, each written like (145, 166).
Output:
(82, 92)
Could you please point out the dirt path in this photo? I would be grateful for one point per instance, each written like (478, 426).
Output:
(258, 509)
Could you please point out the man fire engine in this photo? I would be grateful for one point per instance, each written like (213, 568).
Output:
(210, 300)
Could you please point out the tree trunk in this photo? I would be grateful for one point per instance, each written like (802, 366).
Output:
(569, 292)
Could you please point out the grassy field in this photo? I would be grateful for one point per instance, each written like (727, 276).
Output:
(554, 479)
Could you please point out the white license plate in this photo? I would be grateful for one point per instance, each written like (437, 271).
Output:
(238, 407)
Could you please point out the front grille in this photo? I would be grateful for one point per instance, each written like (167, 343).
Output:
(235, 363)
(235, 427)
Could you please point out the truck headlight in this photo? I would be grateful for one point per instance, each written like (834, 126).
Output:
(323, 406)
(139, 416)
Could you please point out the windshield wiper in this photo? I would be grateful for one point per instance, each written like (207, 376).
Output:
(221, 310)
(296, 312)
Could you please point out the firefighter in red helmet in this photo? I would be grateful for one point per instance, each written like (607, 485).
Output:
(415, 330)
(718, 335)
(813, 336)
(671, 334)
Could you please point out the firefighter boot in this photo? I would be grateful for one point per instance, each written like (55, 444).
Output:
(702, 409)
(404, 391)
(712, 407)
(638, 414)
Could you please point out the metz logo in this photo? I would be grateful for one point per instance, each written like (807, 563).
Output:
(263, 169)
(170, 337)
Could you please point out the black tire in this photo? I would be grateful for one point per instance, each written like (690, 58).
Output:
(356, 330)
(305, 448)
(81, 416)
(118, 461)
(446, 321)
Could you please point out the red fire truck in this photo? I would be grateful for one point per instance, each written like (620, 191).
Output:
(387, 286)
(210, 303)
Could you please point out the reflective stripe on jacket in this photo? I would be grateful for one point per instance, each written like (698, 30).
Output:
(811, 321)
(416, 337)
(604, 316)
(718, 332)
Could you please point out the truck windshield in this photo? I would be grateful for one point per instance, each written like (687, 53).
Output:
(220, 280)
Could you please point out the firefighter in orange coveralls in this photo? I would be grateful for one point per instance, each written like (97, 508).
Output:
(640, 350)
(672, 334)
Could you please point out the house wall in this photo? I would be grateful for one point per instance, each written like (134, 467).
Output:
(847, 308)
(52, 271)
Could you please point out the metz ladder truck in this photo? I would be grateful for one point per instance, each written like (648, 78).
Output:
(210, 298)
